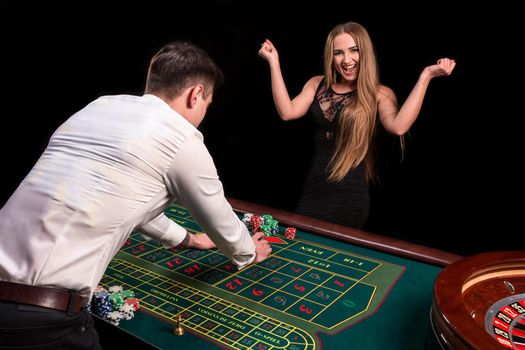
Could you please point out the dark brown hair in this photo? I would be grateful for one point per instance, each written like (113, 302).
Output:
(180, 65)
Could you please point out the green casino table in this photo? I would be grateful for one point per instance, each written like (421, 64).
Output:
(330, 287)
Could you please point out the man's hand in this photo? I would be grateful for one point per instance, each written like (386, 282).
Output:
(198, 241)
(262, 248)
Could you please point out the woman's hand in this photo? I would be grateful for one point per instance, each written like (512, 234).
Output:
(443, 67)
(268, 51)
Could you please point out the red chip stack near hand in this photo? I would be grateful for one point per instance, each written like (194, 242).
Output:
(290, 232)
(134, 302)
(257, 221)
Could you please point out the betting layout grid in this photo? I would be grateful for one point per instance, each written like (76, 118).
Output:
(329, 295)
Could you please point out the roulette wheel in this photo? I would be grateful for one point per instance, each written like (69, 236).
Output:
(479, 302)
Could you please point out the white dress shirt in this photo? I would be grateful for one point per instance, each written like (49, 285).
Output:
(109, 169)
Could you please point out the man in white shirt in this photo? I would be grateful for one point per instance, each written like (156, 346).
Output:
(111, 168)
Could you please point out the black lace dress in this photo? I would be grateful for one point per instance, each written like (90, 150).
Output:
(346, 202)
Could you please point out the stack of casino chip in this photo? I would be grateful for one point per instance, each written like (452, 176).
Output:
(247, 220)
(128, 311)
(264, 223)
(100, 303)
(274, 227)
(117, 300)
(267, 218)
(115, 306)
(270, 227)
(116, 289)
(114, 317)
(267, 224)
(134, 302)
(256, 223)
(290, 232)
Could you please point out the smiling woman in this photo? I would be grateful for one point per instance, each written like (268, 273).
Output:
(347, 103)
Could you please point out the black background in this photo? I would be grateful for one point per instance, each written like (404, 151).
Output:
(459, 177)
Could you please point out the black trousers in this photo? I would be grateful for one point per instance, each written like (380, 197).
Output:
(33, 327)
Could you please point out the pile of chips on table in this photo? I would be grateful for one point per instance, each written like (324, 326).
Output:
(114, 305)
(267, 224)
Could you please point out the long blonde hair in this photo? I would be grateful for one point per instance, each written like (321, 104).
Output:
(357, 120)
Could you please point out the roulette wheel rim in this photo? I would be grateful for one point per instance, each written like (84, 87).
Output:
(453, 323)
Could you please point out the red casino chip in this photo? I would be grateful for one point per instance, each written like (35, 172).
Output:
(290, 232)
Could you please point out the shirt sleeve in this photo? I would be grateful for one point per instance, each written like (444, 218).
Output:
(193, 179)
(164, 230)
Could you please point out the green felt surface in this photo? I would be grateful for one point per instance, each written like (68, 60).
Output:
(312, 293)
